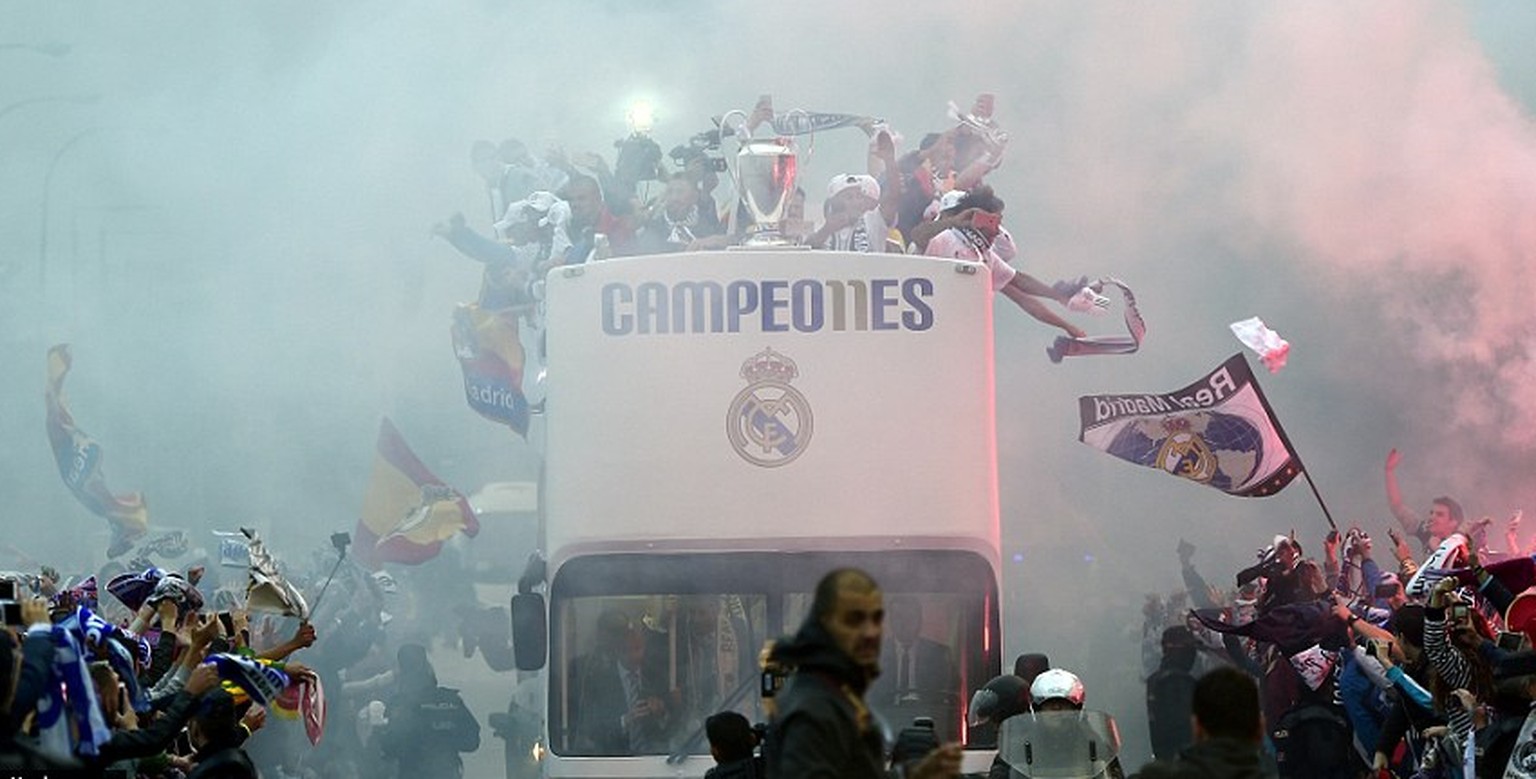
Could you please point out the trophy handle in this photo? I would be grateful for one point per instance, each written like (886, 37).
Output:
(810, 151)
(736, 132)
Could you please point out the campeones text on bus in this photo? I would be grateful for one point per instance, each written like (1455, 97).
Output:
(768, 305)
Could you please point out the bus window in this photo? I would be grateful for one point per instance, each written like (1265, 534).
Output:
(692, 625)
(930, 654)
(643, 671)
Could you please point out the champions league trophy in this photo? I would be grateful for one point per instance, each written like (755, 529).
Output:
(765, 181)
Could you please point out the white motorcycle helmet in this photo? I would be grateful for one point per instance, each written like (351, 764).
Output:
(1057, 684)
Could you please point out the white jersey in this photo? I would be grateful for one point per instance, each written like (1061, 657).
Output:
(959, 245)
(865, 235)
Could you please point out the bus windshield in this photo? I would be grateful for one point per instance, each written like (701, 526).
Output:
(643, 647)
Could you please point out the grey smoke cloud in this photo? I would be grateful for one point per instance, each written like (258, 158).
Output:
(239, 250)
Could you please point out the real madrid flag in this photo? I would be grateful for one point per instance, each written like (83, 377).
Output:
(1218, 431)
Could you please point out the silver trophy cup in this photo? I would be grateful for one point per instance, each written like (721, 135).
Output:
(765, 178)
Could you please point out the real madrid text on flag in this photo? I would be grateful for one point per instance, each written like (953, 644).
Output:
(1218, 431)
(491, 357)
(408, 512)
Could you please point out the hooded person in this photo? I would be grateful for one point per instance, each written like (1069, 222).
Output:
(427, 725)
(821, 725)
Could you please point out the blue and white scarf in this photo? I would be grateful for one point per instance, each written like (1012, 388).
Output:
(69, 719)
(262, 682)
(1136, 328)
(120, 647)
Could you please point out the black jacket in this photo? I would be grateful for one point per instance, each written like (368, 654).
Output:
(427, 730)
(747, 768)
(822, 728)
(1218, 758)
(128, 744)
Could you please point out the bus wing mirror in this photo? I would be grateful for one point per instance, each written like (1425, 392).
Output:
(530, 631)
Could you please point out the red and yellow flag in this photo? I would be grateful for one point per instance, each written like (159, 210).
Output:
(408, 512)
(79, 459)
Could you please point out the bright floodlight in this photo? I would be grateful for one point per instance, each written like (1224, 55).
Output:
(641, 116)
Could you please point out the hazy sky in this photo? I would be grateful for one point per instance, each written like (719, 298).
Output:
(237, 240)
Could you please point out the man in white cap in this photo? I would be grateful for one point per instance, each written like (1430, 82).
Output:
(860, 212)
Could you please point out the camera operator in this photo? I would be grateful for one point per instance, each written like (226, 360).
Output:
(701, 160)
(639, 159)
(1288, 578)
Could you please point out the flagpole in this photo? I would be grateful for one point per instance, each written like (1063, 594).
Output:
(1253, 380)
(1320, 504)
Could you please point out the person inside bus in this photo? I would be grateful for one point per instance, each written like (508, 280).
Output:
(618, 707)
(915, 669)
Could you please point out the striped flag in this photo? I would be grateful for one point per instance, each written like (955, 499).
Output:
(491, 356)
(79, 460)
(240, 674)
(408, 512)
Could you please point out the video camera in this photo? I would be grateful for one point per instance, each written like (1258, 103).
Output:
(704, 145)
(1267, 566)
(639, 160)
(914, 741)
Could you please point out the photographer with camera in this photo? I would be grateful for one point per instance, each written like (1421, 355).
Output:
(701, 159)
(1288, 577)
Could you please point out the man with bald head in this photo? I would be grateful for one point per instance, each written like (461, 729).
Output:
(822, 727)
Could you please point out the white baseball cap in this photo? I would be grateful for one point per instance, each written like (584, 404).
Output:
(866, 184)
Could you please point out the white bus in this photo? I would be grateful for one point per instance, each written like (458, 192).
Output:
(723, 428)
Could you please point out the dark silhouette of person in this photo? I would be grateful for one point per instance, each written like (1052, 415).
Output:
(619, 707)
(915, 668)
(428, 725)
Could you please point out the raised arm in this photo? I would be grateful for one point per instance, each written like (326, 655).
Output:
(890, 188)
(1405, 516)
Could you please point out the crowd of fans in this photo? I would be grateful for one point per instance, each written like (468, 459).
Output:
(1418, 665)
(151, 670)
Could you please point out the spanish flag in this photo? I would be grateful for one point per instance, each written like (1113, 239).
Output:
(408, 512)
(79, 459)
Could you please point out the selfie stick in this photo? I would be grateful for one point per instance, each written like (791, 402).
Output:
(341, 554)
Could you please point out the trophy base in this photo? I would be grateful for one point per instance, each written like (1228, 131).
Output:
(767, 238)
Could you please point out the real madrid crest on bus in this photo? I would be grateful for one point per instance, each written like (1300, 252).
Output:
(769, 422)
